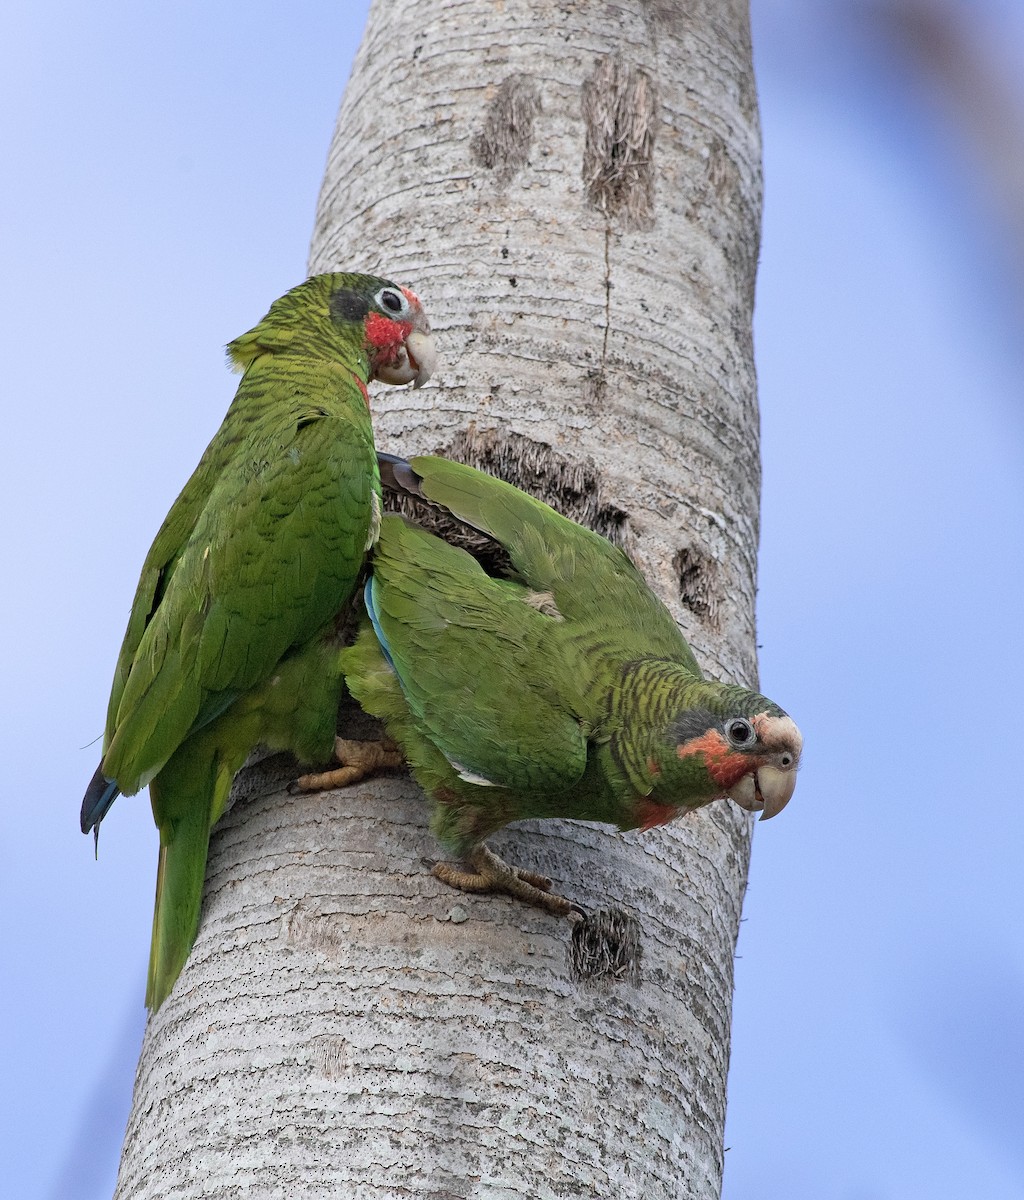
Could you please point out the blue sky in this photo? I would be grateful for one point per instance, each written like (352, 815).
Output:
(162, 167)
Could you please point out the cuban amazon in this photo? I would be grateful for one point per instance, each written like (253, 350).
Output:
(562, 690)
(229, 639)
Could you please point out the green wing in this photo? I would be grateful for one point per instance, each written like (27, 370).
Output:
(484, 673)
(588, 577)
(274, 549)
(163, 555)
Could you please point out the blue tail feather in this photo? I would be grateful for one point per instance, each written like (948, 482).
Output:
(99, 796)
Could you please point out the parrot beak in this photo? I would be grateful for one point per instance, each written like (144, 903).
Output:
(774, 787)
(770, 787)
(416, 359)
(419, 346)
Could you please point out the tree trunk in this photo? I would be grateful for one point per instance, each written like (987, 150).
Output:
(573, 188)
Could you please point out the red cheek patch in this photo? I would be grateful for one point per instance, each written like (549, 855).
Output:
(386, 336)
(725, 766)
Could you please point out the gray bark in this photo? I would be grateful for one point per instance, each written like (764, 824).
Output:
(574, 191)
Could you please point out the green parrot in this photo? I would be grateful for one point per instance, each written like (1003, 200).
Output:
(565, 690)
(229, 642)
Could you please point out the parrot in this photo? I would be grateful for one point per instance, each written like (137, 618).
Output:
(230, 640)
(563, 690)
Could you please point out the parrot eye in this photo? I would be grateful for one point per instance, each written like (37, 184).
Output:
(391, 301)
(740, 732)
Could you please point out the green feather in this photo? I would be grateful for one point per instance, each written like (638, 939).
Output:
(566, 691)
(230, 638)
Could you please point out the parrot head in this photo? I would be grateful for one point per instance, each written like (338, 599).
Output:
(730, 743)
(376, 324)
(750, 754)
(398, 337)
(766, 748)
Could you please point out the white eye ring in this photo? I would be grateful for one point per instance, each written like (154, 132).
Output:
(391, 301)
(740, 732)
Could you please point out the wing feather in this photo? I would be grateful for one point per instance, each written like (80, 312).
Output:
(583, 571)
(445, 624)
(251, 562)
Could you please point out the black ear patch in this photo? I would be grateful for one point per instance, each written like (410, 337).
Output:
(347, 305)
(693, 723)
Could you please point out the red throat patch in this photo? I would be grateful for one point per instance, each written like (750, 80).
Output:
(650, 814)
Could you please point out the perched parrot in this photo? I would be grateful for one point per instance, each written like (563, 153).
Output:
(229, 639)
(565, 690)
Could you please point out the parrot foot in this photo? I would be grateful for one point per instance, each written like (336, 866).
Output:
(493, 874)
(359, 760)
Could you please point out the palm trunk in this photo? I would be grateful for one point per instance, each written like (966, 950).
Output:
(574, 191)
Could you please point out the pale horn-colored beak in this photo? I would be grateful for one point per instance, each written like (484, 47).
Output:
(770, 787)
(422, 354)
(776, 786)
(416, 360)
(767, 791)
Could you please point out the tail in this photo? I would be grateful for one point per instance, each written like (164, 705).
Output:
(185, 796)
(99, 796)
